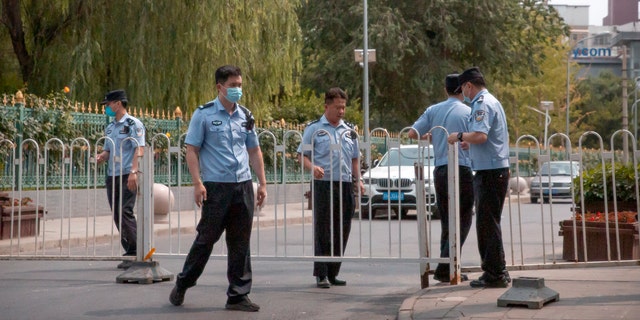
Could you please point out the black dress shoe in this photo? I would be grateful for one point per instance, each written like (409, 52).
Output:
(243, 305)
(125, 264)
(322, 282)
(483, 283)
(337, 282)
(177, 296)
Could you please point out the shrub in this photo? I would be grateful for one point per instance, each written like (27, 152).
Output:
(593, 187)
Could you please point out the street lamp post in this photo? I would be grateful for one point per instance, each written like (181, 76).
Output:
(569, 72)
(364, 57)
(365, 84)
(635, 117)
(546, 105)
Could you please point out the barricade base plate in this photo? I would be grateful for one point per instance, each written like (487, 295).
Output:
(528, 291)
(145, 273)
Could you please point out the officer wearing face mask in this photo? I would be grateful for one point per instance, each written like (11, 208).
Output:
(221, 143)
(488, 140)
(125, 144)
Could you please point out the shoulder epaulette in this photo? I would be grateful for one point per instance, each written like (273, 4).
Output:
(130, 122)
(206, 105)
(350, 125)
(312, 122)
(480, 99)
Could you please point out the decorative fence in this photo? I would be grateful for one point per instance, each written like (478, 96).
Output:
(37, 121)
(43, 119)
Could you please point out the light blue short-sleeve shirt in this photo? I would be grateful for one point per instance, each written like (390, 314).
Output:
(487, 116)
(223, 141)
(321, 135)
(451, 114)
(128, 134)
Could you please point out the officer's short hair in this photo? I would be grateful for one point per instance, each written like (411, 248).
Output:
(334, 93)
(478, 82)
(223, 73)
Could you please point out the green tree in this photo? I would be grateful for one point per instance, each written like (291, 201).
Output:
(418, 43)
(596, 106)
(529, 90)
(164, 53)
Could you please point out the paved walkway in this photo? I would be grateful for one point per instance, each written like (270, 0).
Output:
(75, 231)
(584, 293)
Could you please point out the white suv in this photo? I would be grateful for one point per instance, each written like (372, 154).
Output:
(391, 182)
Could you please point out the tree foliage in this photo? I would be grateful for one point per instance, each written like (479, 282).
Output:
(527, 92)
(596, 106)
(164, 52)
(418, 43)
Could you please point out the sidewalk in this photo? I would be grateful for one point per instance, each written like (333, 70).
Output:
(73, 231)
(584, 293)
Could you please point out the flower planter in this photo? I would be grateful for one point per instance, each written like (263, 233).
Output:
(26, 225)
(24, 219)
(597, 240)
(598, 206)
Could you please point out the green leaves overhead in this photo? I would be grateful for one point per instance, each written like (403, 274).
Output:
(163, 52)
(418, 42)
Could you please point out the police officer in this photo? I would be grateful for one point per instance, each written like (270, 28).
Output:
(333, 173)
(453, 115)
(488, 138)
(221, 143)
(126, 135)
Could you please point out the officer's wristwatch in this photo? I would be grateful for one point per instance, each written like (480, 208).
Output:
(460, 136)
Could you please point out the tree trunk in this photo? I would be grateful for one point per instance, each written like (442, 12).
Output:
(12, 19)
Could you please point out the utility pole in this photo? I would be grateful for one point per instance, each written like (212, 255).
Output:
(625, 103)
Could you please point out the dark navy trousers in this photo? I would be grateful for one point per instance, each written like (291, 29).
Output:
(331, 223)
(128, 234)
(491, 188)
(229, 207)
(442, 202)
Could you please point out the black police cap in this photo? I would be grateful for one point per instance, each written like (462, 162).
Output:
(469, 74)
(115, 95)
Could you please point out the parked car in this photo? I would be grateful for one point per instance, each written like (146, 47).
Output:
(391, 182)
(559, 173)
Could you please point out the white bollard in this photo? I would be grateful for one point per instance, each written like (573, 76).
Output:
(163, 201)
(517, 185)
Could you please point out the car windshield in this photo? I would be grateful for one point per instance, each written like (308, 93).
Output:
(406, 157)
(558, 169)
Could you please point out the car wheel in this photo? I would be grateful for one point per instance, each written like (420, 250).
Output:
(404, 213)
(545, 200)
(534, 200)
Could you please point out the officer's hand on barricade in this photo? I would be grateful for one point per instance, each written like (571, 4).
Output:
(132, 181)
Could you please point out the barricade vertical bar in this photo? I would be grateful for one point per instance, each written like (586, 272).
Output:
(454, 213)
(145, 189)
(143, 272)
(422, 225)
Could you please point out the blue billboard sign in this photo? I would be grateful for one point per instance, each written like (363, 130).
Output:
(591, 52)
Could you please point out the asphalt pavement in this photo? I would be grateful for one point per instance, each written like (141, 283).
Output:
(86, 289)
